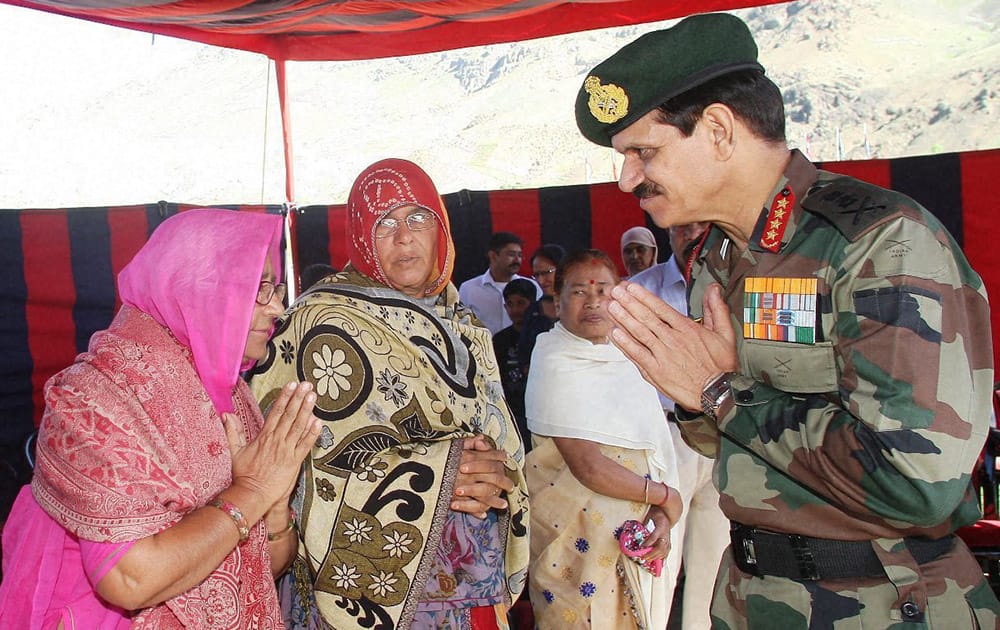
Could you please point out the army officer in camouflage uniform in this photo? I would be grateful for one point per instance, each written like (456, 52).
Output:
(842, 374)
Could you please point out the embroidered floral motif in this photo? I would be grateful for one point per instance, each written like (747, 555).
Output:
(582, 545)
(371, 469)
(409, 450)
(587, 589)
(287, 351)
(494, 390)
(382, 583)
(398, 543)
(375, 413)
(331, 372)
(567, 574)
(325, 490)
(549, 597)
(345, 576)
(605, 561)
(357, 531)
(392, 387)
(569, 615)
(325, 439)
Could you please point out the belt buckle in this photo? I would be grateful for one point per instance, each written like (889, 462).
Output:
(744, 550)
(749, 551)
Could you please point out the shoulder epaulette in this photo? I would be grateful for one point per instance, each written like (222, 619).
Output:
(854, 207)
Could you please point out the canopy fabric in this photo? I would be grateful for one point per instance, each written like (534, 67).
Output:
(333, 30)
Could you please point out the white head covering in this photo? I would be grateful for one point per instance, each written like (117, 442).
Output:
(640, 235)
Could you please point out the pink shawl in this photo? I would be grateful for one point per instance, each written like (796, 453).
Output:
(198, 276)
(131, 439)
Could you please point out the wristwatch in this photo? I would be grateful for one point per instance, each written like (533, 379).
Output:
(714, 394)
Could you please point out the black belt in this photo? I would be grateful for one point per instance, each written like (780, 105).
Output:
(760, 552)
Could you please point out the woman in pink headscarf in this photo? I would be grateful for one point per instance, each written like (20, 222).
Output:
(160, 495)
(414, 508)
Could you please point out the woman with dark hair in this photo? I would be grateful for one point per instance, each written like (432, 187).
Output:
(542, 314)
(602, 467)
(413, 509)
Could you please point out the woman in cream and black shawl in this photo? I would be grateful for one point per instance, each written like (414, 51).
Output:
(413, 507)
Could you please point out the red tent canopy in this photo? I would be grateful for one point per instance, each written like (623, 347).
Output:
(332, 30)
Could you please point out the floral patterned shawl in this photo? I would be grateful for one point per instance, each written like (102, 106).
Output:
(399, 382)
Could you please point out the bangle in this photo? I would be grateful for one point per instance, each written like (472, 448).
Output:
(234, 513)
(645, 490)
(666, 497)
(278, 535)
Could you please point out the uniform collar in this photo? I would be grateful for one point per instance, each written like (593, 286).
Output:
(783, 211)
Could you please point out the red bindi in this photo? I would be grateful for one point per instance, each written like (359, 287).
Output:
(592, 282)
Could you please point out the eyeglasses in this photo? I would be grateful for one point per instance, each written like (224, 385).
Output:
(544, 272)
(268, 290)
(416, 221)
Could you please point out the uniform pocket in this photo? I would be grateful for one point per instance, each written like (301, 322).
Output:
(791, 367)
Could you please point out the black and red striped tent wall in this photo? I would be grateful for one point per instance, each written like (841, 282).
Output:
(956, 187)
(57, 287)
(57, 267)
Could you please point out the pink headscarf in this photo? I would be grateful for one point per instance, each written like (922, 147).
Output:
(377, 191)
(198, 276)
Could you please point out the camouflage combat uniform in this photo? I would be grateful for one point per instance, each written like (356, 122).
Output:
(869, 432)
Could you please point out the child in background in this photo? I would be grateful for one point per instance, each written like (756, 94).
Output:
(518, 297)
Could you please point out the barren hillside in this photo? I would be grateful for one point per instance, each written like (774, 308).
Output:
(140, 119)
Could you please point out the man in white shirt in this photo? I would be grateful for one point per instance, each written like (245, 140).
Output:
(484, 294)
(703, 527)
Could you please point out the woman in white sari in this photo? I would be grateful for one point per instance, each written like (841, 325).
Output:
(602, 455)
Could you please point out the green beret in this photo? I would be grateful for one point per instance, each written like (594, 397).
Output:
(658, 66)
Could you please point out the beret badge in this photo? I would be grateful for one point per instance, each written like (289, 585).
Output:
(607, 103)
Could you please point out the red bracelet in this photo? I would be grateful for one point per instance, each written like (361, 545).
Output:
(235, 514)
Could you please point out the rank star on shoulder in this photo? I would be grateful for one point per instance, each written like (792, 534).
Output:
(782, 204)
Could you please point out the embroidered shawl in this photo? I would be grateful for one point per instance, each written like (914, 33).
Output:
(131, 439)
(129, 444)
(399, 382)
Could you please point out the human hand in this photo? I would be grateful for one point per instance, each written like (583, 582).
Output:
(482, 478)
(658, 541)
(269, 465)
(674, 353)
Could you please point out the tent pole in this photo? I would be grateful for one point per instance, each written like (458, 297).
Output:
(290, 210)
(286, 128)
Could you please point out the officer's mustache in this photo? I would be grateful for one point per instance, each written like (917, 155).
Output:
(646, 190)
